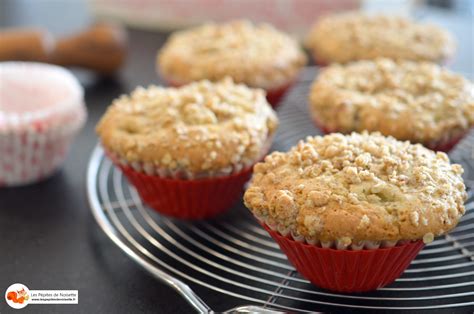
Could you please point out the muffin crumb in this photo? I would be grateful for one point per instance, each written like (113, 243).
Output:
(428, 238)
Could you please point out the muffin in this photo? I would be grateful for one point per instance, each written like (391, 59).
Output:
(361, 205)
(420, 102)
(188, 151)
(352, 36)
(41, 111)
(256, 55)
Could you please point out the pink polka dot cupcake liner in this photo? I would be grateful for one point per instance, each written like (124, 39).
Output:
(41, 111)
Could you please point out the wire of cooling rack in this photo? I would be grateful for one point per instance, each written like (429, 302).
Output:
(234, 256)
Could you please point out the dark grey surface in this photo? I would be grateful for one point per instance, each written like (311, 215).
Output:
(48, 238)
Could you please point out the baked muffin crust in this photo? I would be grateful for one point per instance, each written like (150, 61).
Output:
(420, 102)
(355, 36)
(358, 187)
(256, 55)
(199, 128)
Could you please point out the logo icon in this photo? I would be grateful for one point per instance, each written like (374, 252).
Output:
(17, 296)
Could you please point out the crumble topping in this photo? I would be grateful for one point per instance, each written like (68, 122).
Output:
(354, 36)
(358, 187)
(257, 55)
(420, 102)
(199, 127)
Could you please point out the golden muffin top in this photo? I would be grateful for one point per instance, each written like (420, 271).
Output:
(257, 55)
(199, 128)
(356, 36)
(358, 187)
(416, 101)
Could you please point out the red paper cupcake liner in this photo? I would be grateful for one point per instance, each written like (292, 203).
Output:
(442, 146)
(187, 198)
(321, 63)
(273, 95)
(324, 129)
(346, 270)
(447, 146)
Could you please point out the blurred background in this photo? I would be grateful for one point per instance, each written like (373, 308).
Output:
(48, 237)
(158, 17)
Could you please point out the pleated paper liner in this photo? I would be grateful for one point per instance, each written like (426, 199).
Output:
(274, 95)
(447, 145)
(347, 271)
(187, 198)
(443, 145)
(320, 62)
(34, 141)
(30, 155)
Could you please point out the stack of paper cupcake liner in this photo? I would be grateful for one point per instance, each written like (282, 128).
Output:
(33, 145)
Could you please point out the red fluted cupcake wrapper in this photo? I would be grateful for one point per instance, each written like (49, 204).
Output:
(346, 270)
(274, 95)
(320, 126)
(319, 61)
(187, 198)
(30, 155)
(445, 145)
